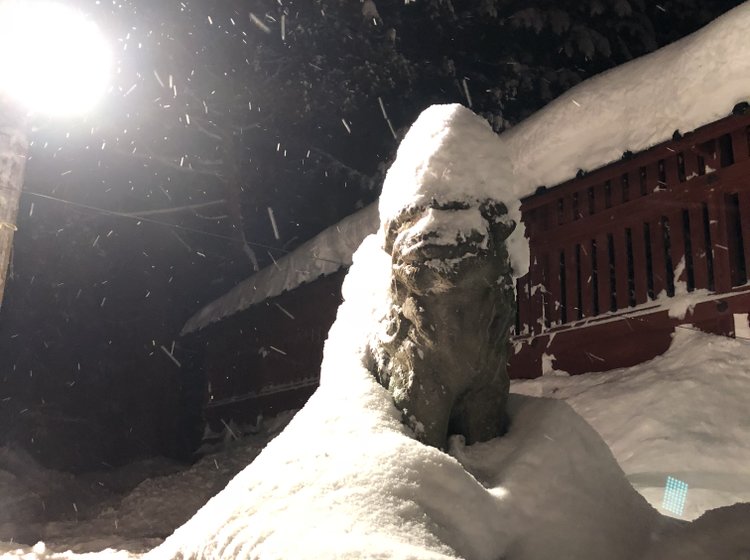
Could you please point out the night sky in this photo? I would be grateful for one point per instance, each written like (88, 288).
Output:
(103, 277)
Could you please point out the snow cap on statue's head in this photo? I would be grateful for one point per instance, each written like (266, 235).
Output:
(449, 155)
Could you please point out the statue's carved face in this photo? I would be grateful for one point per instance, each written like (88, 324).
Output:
(450, 267)
(440, 248)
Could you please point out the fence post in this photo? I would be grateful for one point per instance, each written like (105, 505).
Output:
(717, 212)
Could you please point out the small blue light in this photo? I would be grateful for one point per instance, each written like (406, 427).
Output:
(675, 494)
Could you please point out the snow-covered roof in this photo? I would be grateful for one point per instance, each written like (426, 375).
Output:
(683, 86)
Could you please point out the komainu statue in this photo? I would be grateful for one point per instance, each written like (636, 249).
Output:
(441, 347)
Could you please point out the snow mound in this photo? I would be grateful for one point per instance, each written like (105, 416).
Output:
(452, 155)
(718, 534)
(683, 414)
(346, 479)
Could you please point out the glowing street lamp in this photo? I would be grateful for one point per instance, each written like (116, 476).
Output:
(53, 62)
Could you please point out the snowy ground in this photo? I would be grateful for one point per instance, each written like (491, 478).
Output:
(683, 414)
(133, 508)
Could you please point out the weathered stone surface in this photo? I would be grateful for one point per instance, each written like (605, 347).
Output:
(442, 348)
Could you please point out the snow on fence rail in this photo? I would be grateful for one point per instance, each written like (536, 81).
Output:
(672, 218)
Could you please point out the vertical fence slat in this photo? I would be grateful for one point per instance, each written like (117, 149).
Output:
(711, 156)
(677, 244)
(524, 310)
(691, 164)
(587, 290)
(571, 284)
(719, 243)
(634, 189)
(599, 198)
(652, 177)
(740, 146)
(568, 210)
(531, 223)
(553, 287)
(617, 195)
(670, 169)
(536, 294)
(621, 268)
(698, 246)
(744, 199)
(639, 263)
(603, 293)
(658, 254)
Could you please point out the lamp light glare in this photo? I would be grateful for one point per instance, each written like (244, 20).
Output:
(53, 60)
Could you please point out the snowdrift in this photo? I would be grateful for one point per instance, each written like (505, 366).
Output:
(345, 479)
(683, 414)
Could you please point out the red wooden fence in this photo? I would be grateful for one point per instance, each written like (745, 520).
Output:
(672, 219)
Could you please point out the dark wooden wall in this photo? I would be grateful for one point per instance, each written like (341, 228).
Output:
(267, 358)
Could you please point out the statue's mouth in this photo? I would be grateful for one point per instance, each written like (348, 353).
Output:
(442, 235)
(427, 248)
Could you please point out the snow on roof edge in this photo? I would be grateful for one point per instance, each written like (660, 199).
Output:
(637, 105)
(324, 254)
